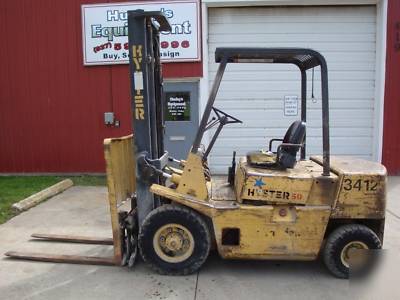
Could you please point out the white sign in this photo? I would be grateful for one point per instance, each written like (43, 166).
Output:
(105, 31)
(291, 105)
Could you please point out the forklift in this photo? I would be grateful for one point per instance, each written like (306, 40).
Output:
(273, 204)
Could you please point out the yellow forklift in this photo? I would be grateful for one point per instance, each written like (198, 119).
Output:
(274, 204)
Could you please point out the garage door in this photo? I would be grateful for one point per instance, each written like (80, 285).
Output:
(255, 93)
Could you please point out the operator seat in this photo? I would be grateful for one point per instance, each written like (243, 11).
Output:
(285, 157)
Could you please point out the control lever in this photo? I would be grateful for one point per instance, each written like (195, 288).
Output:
(231, 170)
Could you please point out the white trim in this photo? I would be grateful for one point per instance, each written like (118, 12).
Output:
(380, 71)
(204, 86)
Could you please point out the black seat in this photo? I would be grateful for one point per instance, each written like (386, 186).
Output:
(294, 137)
(285, 156)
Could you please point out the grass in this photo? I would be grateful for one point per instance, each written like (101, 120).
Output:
(16, 188)
(88, 180)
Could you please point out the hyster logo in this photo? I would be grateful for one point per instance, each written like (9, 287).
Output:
(274, 194)
(270, 194)
(138, 81)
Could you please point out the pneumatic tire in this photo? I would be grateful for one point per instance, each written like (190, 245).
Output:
(352, 235)
(174, 240)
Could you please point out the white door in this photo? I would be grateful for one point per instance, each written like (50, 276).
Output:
(255, 93)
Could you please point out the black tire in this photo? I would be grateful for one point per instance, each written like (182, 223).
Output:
(190, 220)
(341, 237)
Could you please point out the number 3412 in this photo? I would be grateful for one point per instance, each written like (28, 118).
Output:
(359, 184)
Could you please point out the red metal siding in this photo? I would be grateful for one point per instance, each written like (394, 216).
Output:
(391, 132)
(51, 106)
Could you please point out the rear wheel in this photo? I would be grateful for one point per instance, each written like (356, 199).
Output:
(174, 240)
(340, 252)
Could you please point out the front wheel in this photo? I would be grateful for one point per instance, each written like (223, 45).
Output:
(174, 240)
(341, 249)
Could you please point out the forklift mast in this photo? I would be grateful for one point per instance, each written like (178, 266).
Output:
(148, 152)
(147, 102)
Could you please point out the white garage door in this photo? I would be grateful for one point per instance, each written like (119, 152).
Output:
(255, 92)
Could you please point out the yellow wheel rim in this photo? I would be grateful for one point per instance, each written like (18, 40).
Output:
(173, 243)
(349, 254)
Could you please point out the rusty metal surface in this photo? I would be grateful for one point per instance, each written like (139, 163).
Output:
(207, 208)
(303, 184)
(72, 239)
(55, 258)
(323, 191)
(193, 181)
(273, 231)
(352, 165)
(222, 190)
(362, 188)
(121, 182)
(361, 197)
(266, 232)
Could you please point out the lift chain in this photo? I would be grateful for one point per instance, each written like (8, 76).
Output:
(129, 236)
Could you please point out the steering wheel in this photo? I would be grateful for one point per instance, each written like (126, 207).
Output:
(228, 119)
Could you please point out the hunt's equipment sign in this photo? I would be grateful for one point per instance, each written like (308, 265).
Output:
(105, 31)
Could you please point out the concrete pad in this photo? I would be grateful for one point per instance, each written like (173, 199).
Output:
(265, 279)
(222, 279)
(393, 200)
(77, 211)
(392, 226)
(84, 211)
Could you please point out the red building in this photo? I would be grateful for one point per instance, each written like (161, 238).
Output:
(52, 106)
